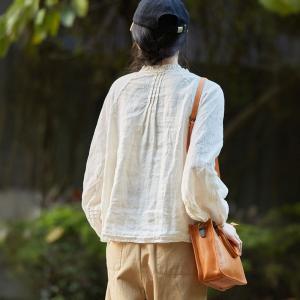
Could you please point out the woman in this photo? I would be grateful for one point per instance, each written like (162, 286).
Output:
(141, 189)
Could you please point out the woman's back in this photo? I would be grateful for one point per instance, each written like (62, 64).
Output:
(139, 184)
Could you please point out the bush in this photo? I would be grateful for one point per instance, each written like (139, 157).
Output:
(59, 256)
(270, 257)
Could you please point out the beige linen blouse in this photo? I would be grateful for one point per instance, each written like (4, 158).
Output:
(140, 185)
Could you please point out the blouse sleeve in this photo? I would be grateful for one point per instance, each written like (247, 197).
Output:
(203, 192)
(93, 176)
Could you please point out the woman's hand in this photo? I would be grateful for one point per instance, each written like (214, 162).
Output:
(230, 232)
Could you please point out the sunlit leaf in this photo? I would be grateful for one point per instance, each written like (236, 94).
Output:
(67, 16)
(50, 3)
(80, 7)
(28, 2)
(11, 19)
(282, 7)
(40, 16)
(55, 234)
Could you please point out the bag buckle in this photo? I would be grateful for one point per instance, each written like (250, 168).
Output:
(202, 230)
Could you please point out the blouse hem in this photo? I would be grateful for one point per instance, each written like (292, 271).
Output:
(123, 238)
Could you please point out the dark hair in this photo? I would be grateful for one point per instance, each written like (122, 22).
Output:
(155, 45)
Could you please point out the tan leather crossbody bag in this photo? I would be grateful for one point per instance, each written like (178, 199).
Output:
(218, 261)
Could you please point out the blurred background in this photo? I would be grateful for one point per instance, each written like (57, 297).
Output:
(58, 60)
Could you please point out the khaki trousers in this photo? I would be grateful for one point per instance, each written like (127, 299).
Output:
(152, 271)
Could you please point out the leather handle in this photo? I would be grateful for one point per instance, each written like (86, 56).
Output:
(192, 119)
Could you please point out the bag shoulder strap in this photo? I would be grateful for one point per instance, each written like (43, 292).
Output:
(197, 99)
(192, 119)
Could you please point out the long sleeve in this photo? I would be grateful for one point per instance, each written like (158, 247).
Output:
(203, 192)
(93, 176)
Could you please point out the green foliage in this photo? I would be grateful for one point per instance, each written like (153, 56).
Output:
(57, 255)
(270, 252)
(13, 22)
(80, 7)
(282, 7)
(35, 20)
(39, 19)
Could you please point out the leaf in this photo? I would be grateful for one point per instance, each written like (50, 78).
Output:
(80, 7)
(2, 27)
(55, 234)
(282, 7)
(67, 16)
(40, 16)
(28, 2)
(40, 33)
(11, 19)
(52, 22)
(51, 3)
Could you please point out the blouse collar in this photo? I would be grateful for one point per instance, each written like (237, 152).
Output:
(162, 67)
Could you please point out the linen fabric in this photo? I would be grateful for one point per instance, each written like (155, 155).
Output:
(139, 184)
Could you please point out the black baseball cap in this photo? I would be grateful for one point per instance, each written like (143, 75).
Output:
(149, 13)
